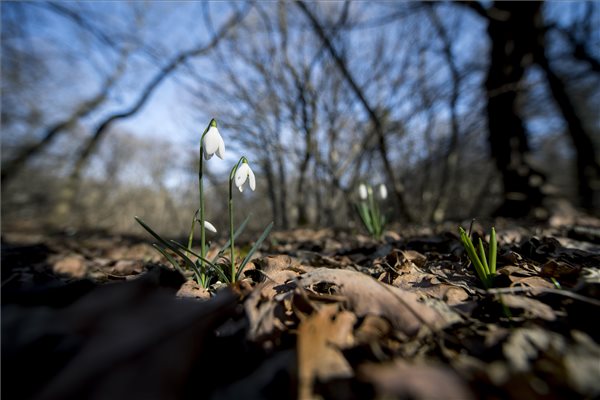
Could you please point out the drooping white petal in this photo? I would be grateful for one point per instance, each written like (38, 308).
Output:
(383, 192)
(221, 149)
(210, 227)
(206, 155)
(362, 191)
(241, 174)
(252, 179)
(211, 142)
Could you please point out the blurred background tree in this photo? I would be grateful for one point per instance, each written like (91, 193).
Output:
(463, 109)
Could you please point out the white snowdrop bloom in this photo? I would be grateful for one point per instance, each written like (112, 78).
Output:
(362, 191)
(210, 227)
(383, 192)
(213, 143)
(241, 174)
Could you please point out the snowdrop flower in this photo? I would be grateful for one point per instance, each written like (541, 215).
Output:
(212, 142)
(241, 174)
(383, 192)
(210, 227)
(362, 191)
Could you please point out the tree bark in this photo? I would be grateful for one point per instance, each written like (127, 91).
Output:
(513, 35)
(588, 168)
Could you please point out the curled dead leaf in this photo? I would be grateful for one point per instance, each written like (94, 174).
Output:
(366, 295)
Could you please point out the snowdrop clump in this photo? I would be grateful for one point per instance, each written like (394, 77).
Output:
(205, 271)
(369, 211)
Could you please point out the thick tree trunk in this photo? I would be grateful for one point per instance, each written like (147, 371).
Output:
(588, 169)
(271, 185)
(513, 39)
(282, 191)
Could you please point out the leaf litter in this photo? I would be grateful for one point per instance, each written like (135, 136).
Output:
(319, 314)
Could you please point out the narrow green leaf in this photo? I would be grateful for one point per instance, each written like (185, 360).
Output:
(191, 252)
(258, 243)
(189, 263)
(468, 245)
(483, 259)
(169, 258)
(227, 244)
(222, 275)
(493, 251)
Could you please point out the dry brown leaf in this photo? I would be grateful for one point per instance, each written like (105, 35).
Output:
(265, 312)
(191, 289)
(403, 380)
(320, 338)
(127, 267)
(531, 281)
(72, 266)
(533, 307)
(366, 295)
(372, 329)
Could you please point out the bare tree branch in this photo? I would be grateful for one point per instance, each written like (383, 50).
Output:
(377, 126)
(85, 108)
(165, 71)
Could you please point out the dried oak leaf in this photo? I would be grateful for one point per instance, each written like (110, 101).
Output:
(126, 267)
(533, 307)
(571, 362)
(321, 336)
(192, 289)
(365, 295)
(73, 266)
(400, 379)
(268, 305)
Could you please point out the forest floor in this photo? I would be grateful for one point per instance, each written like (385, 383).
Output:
(319, 314)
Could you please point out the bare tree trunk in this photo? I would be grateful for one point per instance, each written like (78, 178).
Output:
(282, 191)
(512, 36)
(588, 169)
(266, 166)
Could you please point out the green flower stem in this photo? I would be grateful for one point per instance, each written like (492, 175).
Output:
(230, 206)
(201, 198)
(191, 235)
(231, 238)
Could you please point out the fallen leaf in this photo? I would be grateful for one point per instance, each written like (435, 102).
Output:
(402, 380)
(320, 338)
(191, 289)
(366, 295)
(72, 266)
